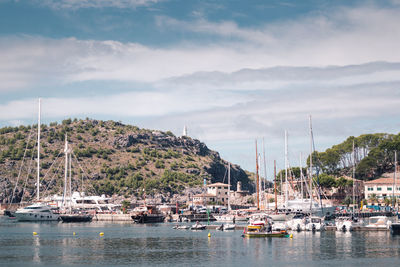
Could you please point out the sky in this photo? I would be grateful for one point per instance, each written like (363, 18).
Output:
(231, 71)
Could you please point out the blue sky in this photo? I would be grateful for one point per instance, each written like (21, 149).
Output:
(232, 71)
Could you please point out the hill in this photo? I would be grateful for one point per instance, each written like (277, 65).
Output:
(108, 158)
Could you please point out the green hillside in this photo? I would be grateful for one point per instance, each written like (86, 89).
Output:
(108, 158)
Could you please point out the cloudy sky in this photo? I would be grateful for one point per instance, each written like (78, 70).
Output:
(230, 70)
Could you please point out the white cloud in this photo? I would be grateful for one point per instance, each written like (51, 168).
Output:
(77, 4)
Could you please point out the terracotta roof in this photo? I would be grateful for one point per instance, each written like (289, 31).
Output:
(383, 181)
(217, 184)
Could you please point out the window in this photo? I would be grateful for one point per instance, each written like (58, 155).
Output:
(370, 189)
(379, 188)
(219, 187)
(389, 189)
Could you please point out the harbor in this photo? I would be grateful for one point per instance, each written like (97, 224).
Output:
(159, 244)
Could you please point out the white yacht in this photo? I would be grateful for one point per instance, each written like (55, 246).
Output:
(36, 212)
(100, 204)
(315, 224)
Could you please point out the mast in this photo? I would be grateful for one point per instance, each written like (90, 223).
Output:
(38, 158)
(276, 197)
(395, 179)
(257, 180)
(265, 173)
(70, 182)
(354, 171)
(301, 179)
(286, 168)
(311, 154)
(229, 186)
(65, 171)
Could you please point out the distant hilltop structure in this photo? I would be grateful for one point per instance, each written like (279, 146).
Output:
(184, 131)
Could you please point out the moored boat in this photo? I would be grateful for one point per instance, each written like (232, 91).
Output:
(147, 214)
(395, 228)
(261, 231)
(66, 218)
(36, 212)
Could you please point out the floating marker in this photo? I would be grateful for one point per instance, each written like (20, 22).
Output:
(73, 233)
(101, 234)
(209, 234)
(34, 233)
(291, 235)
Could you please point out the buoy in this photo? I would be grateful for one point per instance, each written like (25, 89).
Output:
(101, 234)
(291, 235)
(34, 233)
(209, 234)
(74, 233)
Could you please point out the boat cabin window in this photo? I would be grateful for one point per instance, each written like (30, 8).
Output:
(33, 208)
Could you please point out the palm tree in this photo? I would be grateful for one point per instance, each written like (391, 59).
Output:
(373, 198)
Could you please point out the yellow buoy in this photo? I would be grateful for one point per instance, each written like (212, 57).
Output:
(34, 233)
(209, 234)
(291, 235)
(101, 234)
(74, 233)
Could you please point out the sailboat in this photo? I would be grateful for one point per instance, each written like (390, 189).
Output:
(38, 211)
(70, 215)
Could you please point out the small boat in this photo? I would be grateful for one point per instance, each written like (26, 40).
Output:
(66, 218)
(261, 231)
(181, 227)
(395, 228)
(380, 222)
(229, 227)
(198, 226)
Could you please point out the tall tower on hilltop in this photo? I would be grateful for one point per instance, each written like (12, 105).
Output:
(184, 131)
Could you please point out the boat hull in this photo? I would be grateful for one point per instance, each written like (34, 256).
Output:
(266, 234)
(148, 218)
(32, 217)
(68, 218)
(395, 228)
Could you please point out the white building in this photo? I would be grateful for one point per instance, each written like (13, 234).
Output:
(382, 187)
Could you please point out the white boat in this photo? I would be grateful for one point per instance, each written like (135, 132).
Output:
(229, 226)
(281, 216)
(182, 227)
(315, 224)
(224, 217)
(100, 204)
(297, 223)
(259, 219)
(382, 222)
(36, 212)
(198, 226)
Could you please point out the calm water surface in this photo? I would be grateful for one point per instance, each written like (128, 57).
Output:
(125, 244)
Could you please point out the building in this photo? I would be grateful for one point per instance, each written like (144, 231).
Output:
(204, 199)
(381, 188)
(220, 191)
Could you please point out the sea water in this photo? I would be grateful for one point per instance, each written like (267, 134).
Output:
(127, 244)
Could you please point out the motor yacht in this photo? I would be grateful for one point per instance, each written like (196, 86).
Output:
(36, 212)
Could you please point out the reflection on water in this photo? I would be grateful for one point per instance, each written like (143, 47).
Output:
(128, 244)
